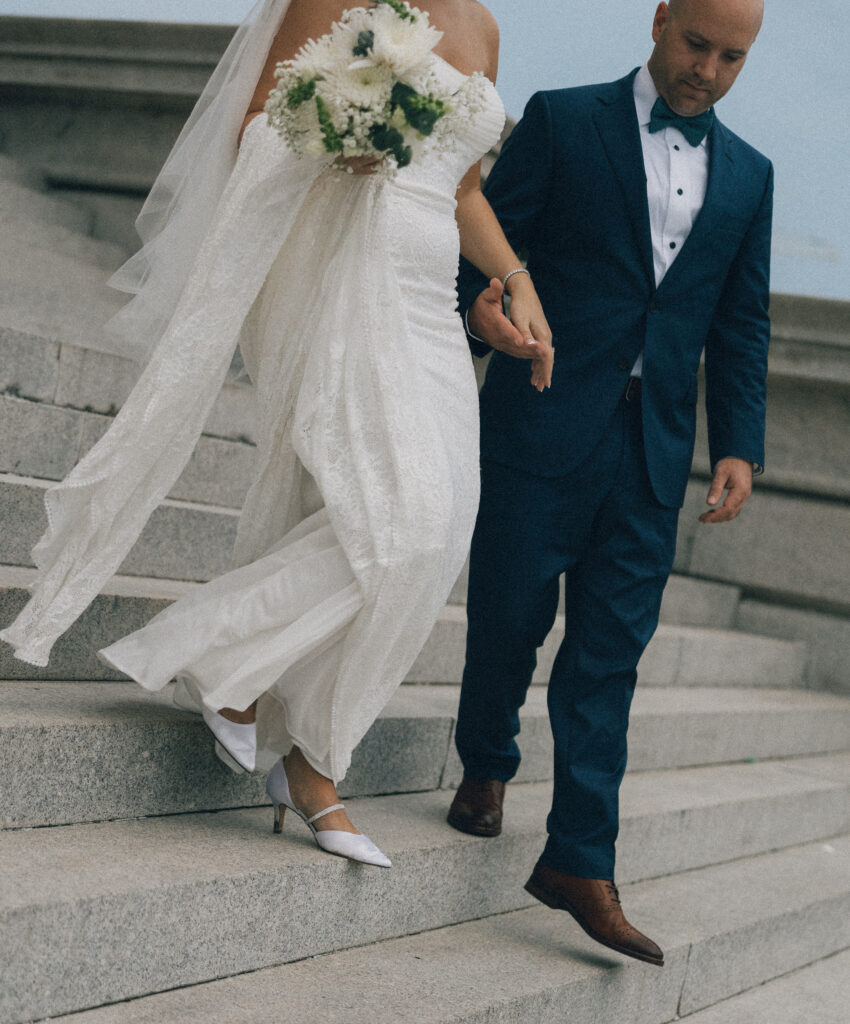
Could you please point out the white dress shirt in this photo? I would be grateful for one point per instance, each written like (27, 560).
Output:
(676, 180)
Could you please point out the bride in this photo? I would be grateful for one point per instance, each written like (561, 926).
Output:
(339, 290)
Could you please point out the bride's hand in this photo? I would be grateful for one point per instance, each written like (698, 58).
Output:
(529, 319)
(360, 164)
(525, 335)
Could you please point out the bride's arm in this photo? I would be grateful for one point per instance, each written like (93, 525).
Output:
(305, 19)
(526, 335)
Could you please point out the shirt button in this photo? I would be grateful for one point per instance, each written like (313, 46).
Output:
(676, 148)
(672, 245)
(679, 192)
(623, 364)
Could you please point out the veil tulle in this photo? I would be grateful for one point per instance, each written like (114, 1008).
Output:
(176, 215)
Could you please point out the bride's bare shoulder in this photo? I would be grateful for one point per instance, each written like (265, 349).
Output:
(305, 19)
(482, 19)
(484, 28)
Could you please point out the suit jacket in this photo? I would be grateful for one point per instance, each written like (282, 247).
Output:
(569, 189)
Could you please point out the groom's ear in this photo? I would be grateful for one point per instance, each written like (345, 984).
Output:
(659, 22)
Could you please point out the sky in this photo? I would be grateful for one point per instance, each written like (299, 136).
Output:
(790, 100)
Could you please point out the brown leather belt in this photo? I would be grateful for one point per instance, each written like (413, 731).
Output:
(631, 392)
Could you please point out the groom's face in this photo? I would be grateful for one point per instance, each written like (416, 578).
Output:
(700, 47)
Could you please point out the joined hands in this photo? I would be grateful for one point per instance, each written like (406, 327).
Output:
(524, 335)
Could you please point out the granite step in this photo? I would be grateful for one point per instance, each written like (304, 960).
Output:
(82, 752)
(827, 636)
(817, 993)
(788, 548)
(676, 656)
(725, 930)
(45, 442)
(38, 366)
(19, 174)
(56, 296)
(183, 540)
(213, 895)
(19, 199)
(19, 234)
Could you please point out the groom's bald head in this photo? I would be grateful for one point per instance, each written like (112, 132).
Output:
(750, 9)
(700, 47)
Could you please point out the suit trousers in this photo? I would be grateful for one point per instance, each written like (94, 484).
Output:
(602, 528)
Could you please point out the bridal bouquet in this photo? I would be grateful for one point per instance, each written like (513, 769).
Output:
(368, 88)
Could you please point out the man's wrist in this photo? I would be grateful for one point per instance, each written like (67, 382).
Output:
(470, 333)
(756, 467)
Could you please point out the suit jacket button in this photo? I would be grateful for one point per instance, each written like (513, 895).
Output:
(623, 364)
(654, 307)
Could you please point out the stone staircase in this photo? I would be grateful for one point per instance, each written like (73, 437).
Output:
(142, 881)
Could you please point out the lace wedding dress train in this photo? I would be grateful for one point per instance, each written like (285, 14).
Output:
(340, 291)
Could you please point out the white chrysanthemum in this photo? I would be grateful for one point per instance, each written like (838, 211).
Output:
(341, 42)
(357, 20)
(315, 57)
(401, 44)
(366, 85)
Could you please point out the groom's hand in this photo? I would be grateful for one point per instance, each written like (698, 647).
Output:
(486, 319)
(735, 476)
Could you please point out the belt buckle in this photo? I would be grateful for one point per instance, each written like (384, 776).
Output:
(632, 391)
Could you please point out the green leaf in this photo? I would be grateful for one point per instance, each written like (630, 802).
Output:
(401, 9)
(301, 92)
(330, 136)
(365, 42)
(390, 140)
(421, 112)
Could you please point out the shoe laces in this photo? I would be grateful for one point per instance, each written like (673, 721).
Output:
(613, 892)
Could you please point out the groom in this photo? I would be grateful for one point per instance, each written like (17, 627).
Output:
(647, 227)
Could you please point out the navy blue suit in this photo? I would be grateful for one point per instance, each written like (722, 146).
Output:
(578, 482)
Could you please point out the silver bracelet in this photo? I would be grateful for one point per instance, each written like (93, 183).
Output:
(508, 276)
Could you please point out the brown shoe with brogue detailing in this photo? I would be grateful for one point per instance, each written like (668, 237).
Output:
(595, 905)
(477, 807)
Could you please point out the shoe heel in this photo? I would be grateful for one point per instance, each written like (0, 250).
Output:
(541, 894)
(279, 811)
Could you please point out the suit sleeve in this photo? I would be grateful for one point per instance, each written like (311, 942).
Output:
(517, 189)
(736, 346)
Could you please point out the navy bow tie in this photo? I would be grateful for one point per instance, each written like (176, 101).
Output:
(694, 128)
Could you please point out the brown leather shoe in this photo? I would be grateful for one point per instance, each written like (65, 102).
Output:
(595, 904)
(477, 807)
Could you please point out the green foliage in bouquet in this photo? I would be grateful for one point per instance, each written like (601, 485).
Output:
(420, 112)
(390, 140)
(301, 92)
(330, 136)
(401, 9)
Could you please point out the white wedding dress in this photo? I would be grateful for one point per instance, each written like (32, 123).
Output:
(340, 290)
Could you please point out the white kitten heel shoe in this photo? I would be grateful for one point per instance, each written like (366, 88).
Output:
(343, 844)
(235, 744)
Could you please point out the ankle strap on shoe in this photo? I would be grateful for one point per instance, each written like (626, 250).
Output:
(321, 814)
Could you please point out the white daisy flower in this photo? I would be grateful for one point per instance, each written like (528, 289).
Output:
(401, 44)
(366, 86)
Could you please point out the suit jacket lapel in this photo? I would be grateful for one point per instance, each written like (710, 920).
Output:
(721, 173)
(616, 122)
